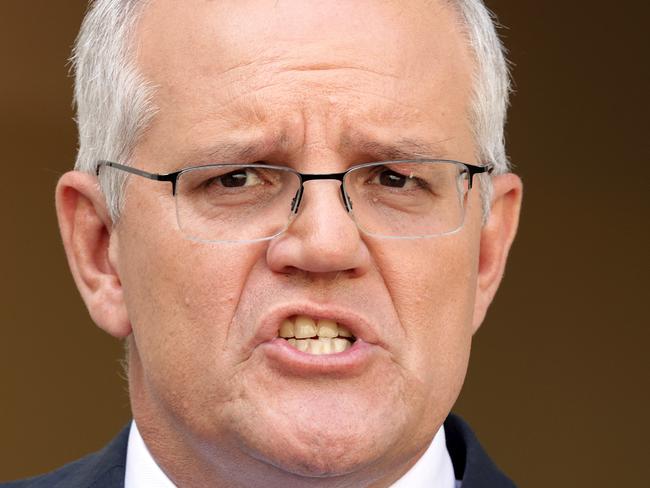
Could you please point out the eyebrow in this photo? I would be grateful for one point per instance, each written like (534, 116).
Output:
(405, 148)
(227, 151)
(237, 152)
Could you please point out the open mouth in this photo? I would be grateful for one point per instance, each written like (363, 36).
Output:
(315, 336)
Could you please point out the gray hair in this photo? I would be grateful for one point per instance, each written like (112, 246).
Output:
(115, 103)
(490, 100)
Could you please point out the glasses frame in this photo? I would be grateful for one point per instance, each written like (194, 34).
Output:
(173, 177)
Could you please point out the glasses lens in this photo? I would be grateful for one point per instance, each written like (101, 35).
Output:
(235, 202)
(408, 199)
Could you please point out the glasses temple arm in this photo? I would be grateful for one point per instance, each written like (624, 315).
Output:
(171, 177)
(475, 170)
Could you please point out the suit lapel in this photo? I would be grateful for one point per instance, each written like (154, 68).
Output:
(471, 462)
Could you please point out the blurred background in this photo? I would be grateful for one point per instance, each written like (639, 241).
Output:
(558, 386)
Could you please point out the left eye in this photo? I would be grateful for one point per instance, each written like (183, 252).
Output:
(391, 179)
(239, 178)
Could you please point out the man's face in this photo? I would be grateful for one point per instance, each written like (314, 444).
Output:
(318, 87)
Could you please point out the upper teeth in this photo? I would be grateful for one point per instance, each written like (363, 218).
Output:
(329, 337)
(303, 327)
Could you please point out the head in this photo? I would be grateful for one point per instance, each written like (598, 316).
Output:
(318, 87)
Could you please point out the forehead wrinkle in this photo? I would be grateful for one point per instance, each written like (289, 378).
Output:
(335, 66)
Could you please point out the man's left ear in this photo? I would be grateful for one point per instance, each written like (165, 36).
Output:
(497, 235)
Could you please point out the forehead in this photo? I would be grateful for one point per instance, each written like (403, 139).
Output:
(234, 31)
(240, 63)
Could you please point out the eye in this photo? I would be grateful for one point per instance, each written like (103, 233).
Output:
(389, 178)
(239, 178)
(392, 179)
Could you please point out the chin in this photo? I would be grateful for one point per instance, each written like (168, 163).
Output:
(323, 457)
(320, 447)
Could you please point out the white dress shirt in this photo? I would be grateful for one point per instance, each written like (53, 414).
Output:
(432, 470)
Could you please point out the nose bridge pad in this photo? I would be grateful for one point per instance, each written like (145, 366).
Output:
(297, 199)
(346, 199)
(295, 203)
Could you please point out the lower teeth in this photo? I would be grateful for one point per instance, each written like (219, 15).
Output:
(321, 346)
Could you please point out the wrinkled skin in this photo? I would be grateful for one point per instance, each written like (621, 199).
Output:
(317, 86)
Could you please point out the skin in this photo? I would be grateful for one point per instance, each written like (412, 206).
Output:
(317, 86)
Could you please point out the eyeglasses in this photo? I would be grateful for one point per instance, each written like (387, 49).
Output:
(404, 199)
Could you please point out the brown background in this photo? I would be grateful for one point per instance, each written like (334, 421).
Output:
(558, 384)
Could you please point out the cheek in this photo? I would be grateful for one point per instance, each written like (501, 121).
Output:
(432, 285)
(181, 297)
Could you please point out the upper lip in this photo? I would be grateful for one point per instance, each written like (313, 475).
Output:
(358, 325)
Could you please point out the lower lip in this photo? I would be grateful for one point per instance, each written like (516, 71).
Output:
(290, 360)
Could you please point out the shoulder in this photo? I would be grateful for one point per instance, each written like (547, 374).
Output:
(471, 462)
(101, 469)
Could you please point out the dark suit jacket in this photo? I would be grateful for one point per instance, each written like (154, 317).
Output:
(105, 468)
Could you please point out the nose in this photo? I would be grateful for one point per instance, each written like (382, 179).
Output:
(322, 238)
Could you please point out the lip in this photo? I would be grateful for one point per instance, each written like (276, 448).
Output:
(290, 360)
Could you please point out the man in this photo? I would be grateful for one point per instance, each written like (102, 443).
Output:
(304, 212)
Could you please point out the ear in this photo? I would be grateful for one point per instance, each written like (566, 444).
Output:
(91, 248)
(497, 235)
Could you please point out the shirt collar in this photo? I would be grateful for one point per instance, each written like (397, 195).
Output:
(141, 469)
(434, 468)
